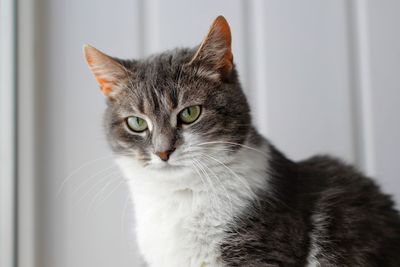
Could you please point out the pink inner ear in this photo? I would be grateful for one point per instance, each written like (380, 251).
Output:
(219, 36)
(106, 71)
(228, 62)
(223, 31)
(106, 87)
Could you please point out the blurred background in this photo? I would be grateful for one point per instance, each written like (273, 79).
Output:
(321, 77)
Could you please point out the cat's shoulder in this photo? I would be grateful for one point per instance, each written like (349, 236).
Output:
(333, 171)
(343, 185)
(327, 163)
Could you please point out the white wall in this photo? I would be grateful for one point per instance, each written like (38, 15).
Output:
(384, 62)
(322, 77)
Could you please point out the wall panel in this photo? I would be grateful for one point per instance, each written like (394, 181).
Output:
(308, 87)
(180, 23)
(384, 53)
(74, 228)
(302, 65)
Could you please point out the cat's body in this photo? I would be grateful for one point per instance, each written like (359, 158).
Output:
(209, 191)
(322, 212)
(318, 212)
(184, 224)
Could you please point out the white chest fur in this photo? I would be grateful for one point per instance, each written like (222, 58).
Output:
(176, 231)
(181, 218)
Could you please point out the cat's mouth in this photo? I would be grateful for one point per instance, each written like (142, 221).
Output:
(166, 166)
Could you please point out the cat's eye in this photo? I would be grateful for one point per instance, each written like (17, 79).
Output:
(136, 124)
(190, 114)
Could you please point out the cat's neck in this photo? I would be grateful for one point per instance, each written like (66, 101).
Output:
(191, 212)
(252, 156)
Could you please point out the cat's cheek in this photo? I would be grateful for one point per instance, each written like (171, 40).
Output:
(130, 167)
(191, 140)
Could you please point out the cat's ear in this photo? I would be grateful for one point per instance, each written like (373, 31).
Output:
(215, 50)
(108, 72)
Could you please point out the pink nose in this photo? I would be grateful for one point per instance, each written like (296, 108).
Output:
(164, 155)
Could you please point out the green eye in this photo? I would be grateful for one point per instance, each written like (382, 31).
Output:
(190, 114)
(136, 124)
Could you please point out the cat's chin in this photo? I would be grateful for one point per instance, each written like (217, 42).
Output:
(154, 175)
(165, 166)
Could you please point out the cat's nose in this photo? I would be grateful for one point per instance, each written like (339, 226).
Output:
(164, 155)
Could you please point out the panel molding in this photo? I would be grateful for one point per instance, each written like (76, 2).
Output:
(26, 135)
(361, 88)
(149, 18)
(7, 134)
(255, 45)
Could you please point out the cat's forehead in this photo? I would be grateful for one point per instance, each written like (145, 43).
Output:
(172, 67)
(165, 82)
(168, 62)
(157, 98)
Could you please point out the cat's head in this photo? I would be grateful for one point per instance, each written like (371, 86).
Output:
(177, 108)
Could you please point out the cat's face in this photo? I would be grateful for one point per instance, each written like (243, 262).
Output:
(175, 109)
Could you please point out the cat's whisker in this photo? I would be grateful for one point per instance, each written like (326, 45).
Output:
(231, 214)
(103, 179)
(101, 173)
(190, 155)
(201, 166)
(212, 149)
(198, 164)
(201, 179)
(215, 197)
(198, 173)
(207, 188)
(250, 190)
(222, 186)
(98, 194)
(110, 193)
(196, 168)
(87, 163)
(123, 215)
(234, 144)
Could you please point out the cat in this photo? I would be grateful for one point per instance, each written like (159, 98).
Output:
(209, 190)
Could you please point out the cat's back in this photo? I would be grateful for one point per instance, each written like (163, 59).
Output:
(316, 212)
(352, 220)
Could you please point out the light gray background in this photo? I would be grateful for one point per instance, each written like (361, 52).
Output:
(321, 76)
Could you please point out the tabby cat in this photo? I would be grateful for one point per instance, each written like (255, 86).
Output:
(209, 190)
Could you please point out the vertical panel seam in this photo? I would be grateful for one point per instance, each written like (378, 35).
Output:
(247, 47)
(140, 27)
(360, 85)
(149, 26)
(256, 62)
(7, 137)
(26, 112)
